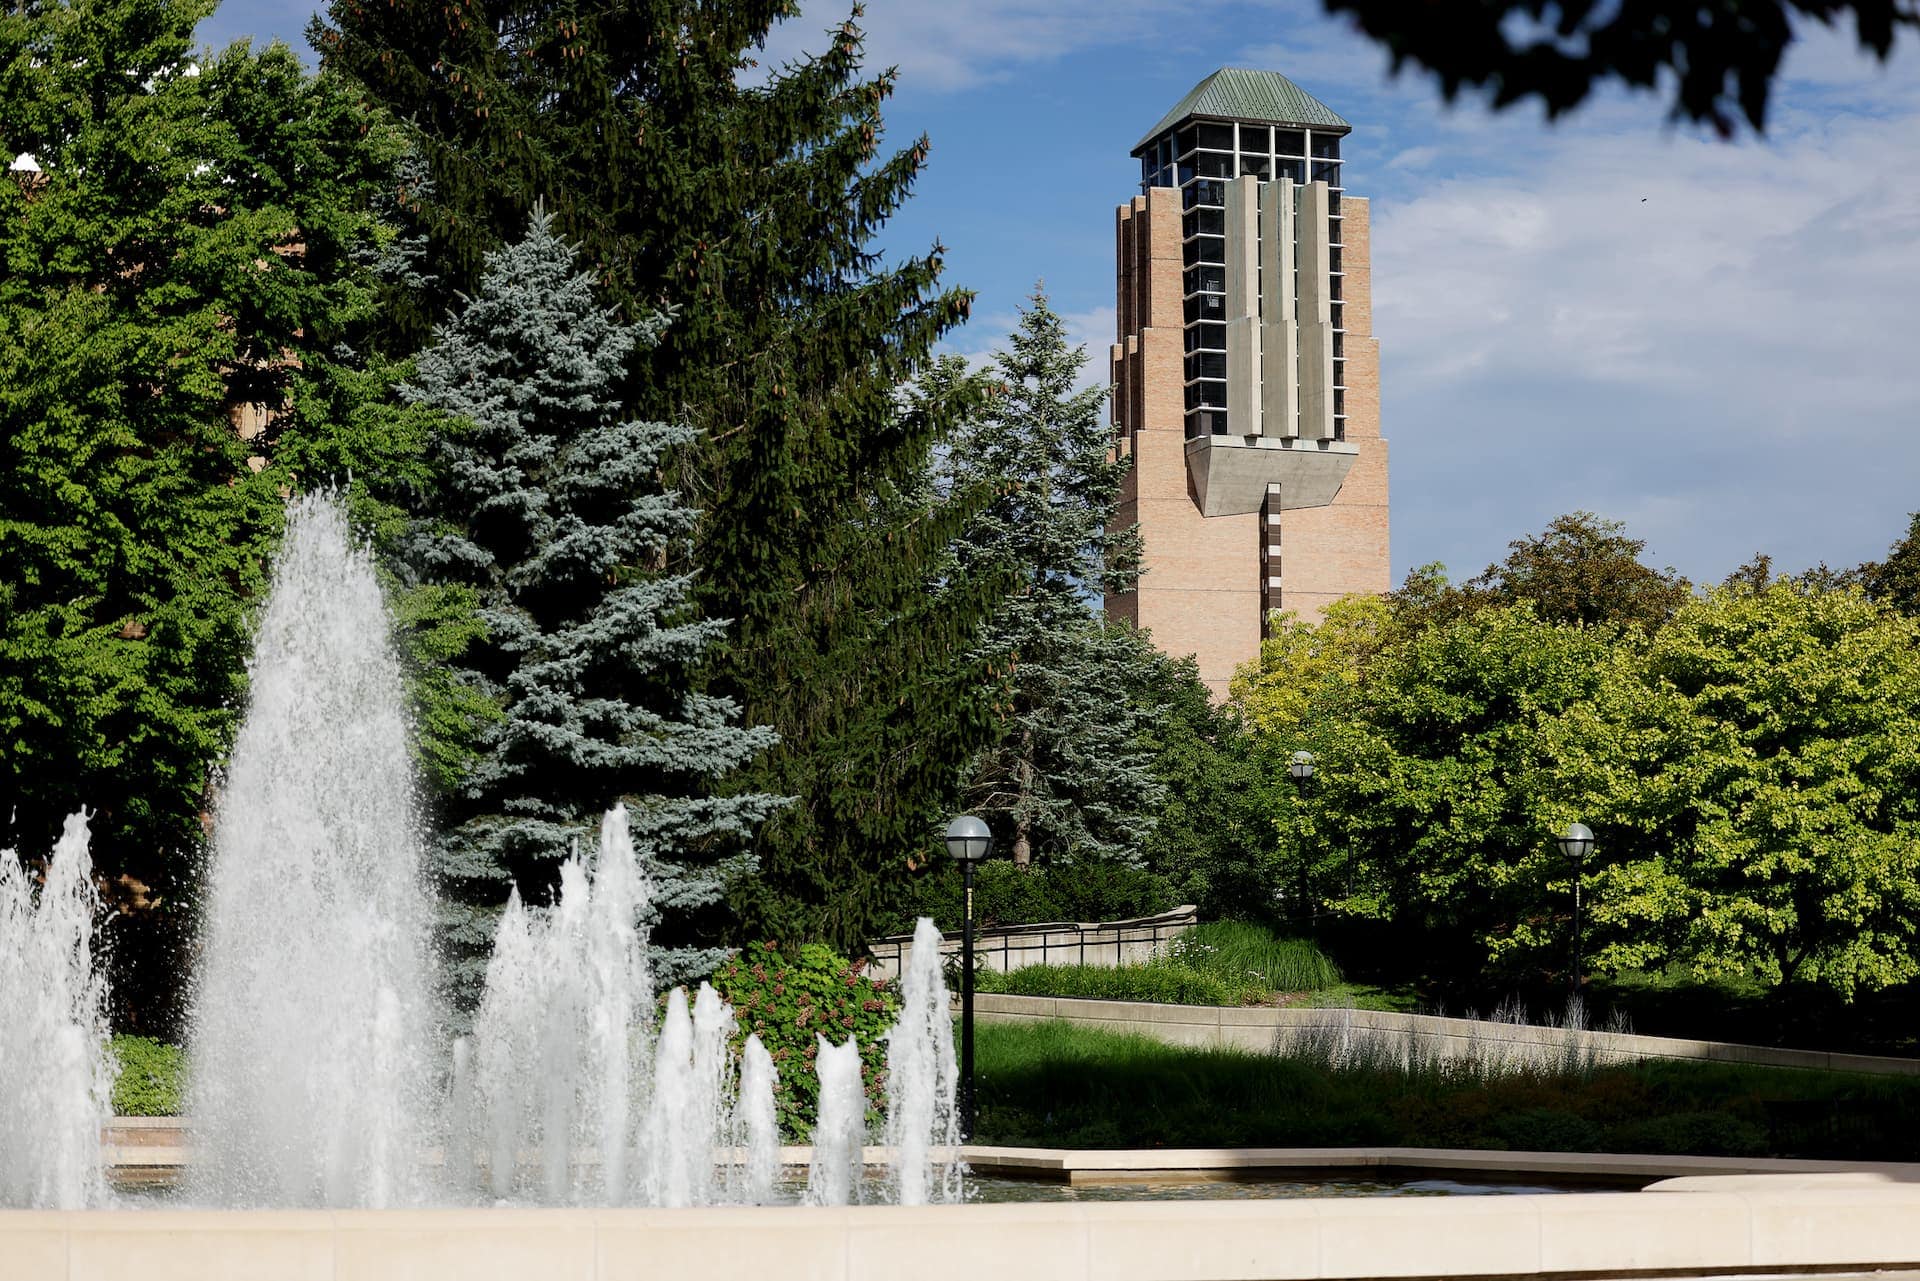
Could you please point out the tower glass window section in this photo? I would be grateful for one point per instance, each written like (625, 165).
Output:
(1198, 158)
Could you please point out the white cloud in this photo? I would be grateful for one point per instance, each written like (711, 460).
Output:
(940, 45)
(1414, 158)
(1091, 328)
(1712, 341)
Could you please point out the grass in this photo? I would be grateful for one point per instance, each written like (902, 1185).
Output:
(1055, 1084)
(1246, 952)
(1163, 981)
(1401, 998)
(1220, 963)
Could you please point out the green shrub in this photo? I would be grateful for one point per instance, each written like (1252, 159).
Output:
(1691, 1134)
(1546, 1130)
(1003, 894)
(1161, 981)
(790, 995)
(152, 1077)
(1244, 952)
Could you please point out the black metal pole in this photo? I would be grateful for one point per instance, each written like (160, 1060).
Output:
(966, 1010)
(1576, 927)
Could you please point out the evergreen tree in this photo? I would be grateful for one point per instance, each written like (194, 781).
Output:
(752, 207)
(1071, 774)
(553, 511)
(184, 247)
(1215, 837)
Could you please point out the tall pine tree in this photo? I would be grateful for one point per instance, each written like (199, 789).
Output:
(1071, 774)
(553, 510)
(752, 207)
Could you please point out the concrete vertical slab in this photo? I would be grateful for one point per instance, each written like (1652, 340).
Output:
(1803, 1227)
(1615, 1231)
(1429, 1236)
(1222, 1241)
(722, 1244)
(463, 1245)
(211, 1245)
(33, 1245)
(956, 1243)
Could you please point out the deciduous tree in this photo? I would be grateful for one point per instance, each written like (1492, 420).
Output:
(185, 246)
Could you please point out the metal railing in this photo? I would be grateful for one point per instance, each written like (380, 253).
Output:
(1013, 947)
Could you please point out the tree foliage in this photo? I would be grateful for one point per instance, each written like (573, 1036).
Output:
(1755, 777)
(1751, 771)
(1214, 837)
(1584, 570)
(1069, 774)
(1429, 808)
(180, 241)
(1299, 661)
(1581, 569)
(552, 510)
(755, 218)
(1717, 59)
(1895, 581)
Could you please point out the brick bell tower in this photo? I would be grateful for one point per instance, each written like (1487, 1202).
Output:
(1246, 378)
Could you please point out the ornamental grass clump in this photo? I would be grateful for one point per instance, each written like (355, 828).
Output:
(1245, 952)
(791, 995)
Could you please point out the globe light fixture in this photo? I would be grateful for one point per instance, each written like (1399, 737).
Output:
(1576, 843)
(1301, 766)
(969, 839)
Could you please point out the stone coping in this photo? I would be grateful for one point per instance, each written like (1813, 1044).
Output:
(1708, 1227)
(1627, 1169)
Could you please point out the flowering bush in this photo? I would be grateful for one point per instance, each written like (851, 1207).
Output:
(791, 995)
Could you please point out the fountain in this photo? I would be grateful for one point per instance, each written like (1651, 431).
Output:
(310, 1017)
(56, 1076)
(317, 1082)
(840, 1129)
(923, 1121)
(756, 1129)
(314, 1077)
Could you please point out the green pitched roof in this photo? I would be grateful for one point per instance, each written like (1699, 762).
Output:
(1237, 93)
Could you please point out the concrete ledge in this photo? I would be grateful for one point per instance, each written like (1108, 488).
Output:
(1734, 1228)
(1262, 1028)
(1612, 1168)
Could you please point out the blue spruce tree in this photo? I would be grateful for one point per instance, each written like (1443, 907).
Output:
(552, 508)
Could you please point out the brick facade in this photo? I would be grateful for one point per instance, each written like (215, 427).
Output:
(1201, 592)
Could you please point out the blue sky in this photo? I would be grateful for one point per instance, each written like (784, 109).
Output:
(1718, 343)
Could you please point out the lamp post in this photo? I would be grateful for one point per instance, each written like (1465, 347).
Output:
(1576, 843)
(969, 840)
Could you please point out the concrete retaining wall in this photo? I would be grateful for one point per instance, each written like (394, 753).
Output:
(1711, 1227)
(1102, 943)
(1343, 1033)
